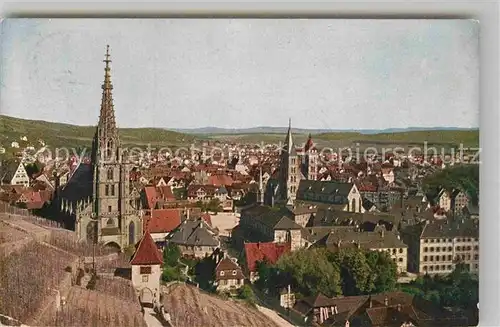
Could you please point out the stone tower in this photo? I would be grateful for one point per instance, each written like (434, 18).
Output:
(112, 217)
(310, 160)
(289, 170)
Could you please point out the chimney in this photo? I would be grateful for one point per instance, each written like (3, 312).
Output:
(399, 307)
(370, 302)
(382, 233)
(187, 214)
(335, 309)
(386, 301)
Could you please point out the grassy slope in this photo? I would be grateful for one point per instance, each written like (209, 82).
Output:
(469, 138)
(59, 135)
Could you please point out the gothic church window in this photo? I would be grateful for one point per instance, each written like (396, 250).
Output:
(106, 190)
(112, 190)
(110, 174)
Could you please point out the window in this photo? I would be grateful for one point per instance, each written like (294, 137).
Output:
(450, 249)
(432, 249)
(443, 249)
(476, 256)
(425, 258)
(449, 258)
(110, 209)
(431, 258)
(400, 259)
(458, 248)
(393, 251)
(448, 267)
(425, 268)
(110, 174)
(145, 270)
(106, 190)
(426, 249)
(476, 248)
(145, 278)
(222, 273)
(400, 250)
(112, 190)
(234, 272)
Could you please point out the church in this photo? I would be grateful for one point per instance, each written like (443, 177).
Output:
(98, 201)
(294, 166)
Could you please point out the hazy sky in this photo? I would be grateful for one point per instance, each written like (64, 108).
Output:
(180, 73)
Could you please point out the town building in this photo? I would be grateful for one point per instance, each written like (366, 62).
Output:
(228, 276)
(146, 271)
(437, 246)
(14, 173)
(195, 238)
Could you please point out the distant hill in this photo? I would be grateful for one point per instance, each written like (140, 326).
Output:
(281, 130)
(66, 135)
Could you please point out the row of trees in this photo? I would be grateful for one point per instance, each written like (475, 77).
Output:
(458, 289)
(347, 272)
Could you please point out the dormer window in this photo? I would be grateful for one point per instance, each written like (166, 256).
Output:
(234, 272)
(222, 273)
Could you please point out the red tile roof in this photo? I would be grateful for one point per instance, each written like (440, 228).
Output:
(151, 197)
(220, 180)
(206, 217)
(269, 251)
(162, 220)
(146, 253)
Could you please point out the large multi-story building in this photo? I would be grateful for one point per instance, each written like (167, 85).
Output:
(98, 200)
(437, 247)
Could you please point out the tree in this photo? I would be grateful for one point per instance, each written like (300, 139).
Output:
(171, 255)
(246, 293)
(180, 193)
(383, 271)
(355, 271)
(311, 272)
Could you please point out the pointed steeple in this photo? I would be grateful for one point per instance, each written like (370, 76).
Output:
(106, 137)
(288, 140)
(107, 114)
(309, 143)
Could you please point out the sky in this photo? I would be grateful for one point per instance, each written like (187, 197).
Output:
(240, 73)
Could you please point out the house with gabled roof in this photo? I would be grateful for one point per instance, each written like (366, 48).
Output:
(14, 173)
(228, 275)
(195, 238)
(146, 270)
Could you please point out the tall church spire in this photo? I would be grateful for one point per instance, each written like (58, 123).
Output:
(106, 142)
(288, 140)
(107, 123)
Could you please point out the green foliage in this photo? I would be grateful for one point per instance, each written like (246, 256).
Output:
(171, 255)
(204, 271)
(462, 177)
(355, 271)
(180, 193)
(213, 206)
(170, 274)
(312, 272)
(246, 293)
(383, 271)
(458, 289)
(347, 272)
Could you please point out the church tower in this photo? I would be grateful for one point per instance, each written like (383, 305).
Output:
(114, 220)
(289, 173)
(310, 162)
